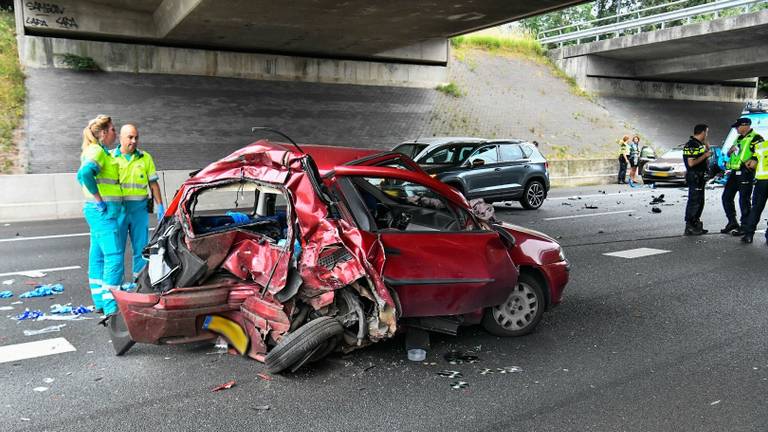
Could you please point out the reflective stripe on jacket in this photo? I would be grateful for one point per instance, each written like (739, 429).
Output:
(107, 179)
(746, 146)
(761, 154)
(135, 173)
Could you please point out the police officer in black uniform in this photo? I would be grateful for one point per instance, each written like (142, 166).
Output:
(695, 155)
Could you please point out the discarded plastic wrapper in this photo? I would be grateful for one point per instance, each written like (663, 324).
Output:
(458, 385)
(33, 274)
(29, 315)
(226, 385)
(458, 357)
(44, 291)
(8, 282)
(6, 294)
(51, 329)
(6, 308)
(450, 374)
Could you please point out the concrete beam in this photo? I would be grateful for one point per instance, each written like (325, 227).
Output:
(170, 13)
(746, 62)
(76, 17)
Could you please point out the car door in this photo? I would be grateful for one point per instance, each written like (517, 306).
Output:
(483, 175)
(515, 167)
(440, 261)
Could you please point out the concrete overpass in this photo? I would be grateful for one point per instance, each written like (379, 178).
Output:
(714, 61)
(397, 42)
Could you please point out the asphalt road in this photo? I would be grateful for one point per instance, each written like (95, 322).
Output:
(668, 342)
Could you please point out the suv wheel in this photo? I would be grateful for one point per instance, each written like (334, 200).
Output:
(533, 195)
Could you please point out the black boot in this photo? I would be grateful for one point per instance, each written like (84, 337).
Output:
(730, 227)
(692, 229)
(747, 238)
(700, 227)
(738, 232)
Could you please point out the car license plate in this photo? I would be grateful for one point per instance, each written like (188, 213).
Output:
(661, 174)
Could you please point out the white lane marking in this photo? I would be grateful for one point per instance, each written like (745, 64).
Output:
(15, 239)
(599, 195)
(637, 253)
(48, 270)
(588, 215)
(30, 350)
(54, 236)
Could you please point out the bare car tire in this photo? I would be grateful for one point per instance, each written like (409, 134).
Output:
(118, 331)
(533, 195)
(301, 342)
(521, 311)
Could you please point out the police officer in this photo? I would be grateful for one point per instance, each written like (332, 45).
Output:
(741, 178)
(137, 171)
(623, 159)
(758, 162)
(695, 154)
(99, 177)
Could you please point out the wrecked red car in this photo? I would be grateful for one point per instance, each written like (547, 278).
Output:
(291, 253)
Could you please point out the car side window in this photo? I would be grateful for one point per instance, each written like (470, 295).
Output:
(511, 152)
(444, 155)
(484, 156)
(398, 205)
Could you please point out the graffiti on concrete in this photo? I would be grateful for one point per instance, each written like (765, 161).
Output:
(66, 22)
(36, 22)
(45, 8)
(39, 14)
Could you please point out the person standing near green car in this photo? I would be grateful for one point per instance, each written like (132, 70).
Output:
(623, 159)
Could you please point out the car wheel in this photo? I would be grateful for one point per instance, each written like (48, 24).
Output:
(521, 311)
(533, 195)
(303, 343)
(118, 331)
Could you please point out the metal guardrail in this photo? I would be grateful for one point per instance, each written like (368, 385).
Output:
(638, 23)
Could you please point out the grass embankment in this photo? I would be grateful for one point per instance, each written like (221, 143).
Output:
(521, 44)
(11, 92)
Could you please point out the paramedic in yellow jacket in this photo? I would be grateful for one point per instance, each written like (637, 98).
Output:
(137, 175)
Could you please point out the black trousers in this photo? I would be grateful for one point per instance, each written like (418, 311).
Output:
(758, 205)
(622, 169)
(741, 183)
(695, 205)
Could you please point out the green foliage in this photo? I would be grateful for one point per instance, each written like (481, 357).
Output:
(525, 45)
(80, 63)
(450, 89)
(12, 91)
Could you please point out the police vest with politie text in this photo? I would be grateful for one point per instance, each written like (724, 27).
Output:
(746, 148)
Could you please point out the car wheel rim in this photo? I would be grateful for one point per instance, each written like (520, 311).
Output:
(535, 195)
(519, 310)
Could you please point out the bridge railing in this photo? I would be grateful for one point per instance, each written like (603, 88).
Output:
(635, 22)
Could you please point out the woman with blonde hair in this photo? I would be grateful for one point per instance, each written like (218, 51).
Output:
(98, 176)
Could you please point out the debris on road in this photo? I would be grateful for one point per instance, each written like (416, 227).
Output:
(656, 210)
(32, 274)
(657, 199)
(225, 386)
(44, 291)
(574, 198)
(566, 203)
(457, 385)
(68, 309)
(265, 377)
(450, 374)
(459, 357)
(50, 329)
(40, 389)
(8, 282)
(261, 408)
(6, 308)
(601, 232)
(29, 315)
(590, 206)
(6, 294)
(49, 380)
(486, 371)
(510, 369)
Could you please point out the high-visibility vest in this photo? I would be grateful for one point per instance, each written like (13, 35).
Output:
(622, 148)
(135, 174)
(761, 152)
(744, 153)
(107, 179)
